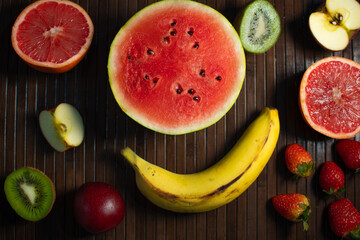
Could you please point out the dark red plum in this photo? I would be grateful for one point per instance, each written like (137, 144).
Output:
(98, 207)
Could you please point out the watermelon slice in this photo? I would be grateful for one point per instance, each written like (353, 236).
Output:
(176, 66)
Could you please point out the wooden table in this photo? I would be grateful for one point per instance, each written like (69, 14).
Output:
(272, 79)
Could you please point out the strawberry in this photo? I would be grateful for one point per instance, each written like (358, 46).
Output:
(344, 219)
(294, 207)
(298, 160)
(331, 178)
(349, 151)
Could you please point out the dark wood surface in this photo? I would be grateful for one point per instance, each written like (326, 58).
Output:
(272, 79)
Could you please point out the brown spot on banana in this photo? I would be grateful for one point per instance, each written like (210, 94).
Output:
(227, 185)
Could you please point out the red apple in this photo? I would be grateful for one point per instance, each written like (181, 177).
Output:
(98, 207)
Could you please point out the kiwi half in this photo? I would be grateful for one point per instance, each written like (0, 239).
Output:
(259, 26)
(30, 193)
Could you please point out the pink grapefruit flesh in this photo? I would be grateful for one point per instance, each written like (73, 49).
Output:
(52, 35)
(329, 97)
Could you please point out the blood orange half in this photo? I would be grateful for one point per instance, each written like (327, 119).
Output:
(52, 35)
(329, 97)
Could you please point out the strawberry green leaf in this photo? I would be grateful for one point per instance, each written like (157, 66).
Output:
(304, 217)
(355, 234)
(334, 192)
(306, 226)
(304, 169)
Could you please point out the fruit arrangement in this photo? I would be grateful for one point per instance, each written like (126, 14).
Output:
(174, 77)
(344, 218)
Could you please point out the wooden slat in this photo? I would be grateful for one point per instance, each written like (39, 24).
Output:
(272, 79)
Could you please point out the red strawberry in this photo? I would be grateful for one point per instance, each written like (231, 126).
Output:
(331, 178)
(344, 218)
(293, 206)
(349, 151)
(298, 160)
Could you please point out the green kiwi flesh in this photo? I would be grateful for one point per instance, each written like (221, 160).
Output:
(30, 193)
(259, 26)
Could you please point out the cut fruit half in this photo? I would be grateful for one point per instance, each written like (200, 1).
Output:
(30, 193)
(329, 97)
(259, 26)
(52, 35)
(176, 66)
(335, 38)
(335, 23)
(62, 127)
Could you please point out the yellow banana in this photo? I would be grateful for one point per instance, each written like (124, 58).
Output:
(220, 183)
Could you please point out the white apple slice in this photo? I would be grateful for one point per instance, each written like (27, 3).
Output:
(347, 10)
(332, 37)
(62, 127)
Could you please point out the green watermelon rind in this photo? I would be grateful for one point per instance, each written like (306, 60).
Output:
(121, 100)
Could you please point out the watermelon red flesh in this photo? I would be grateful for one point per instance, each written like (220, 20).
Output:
(177, 68)
(334, 87)
(50, 34)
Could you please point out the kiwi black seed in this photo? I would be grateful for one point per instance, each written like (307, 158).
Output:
(259, 26)
(30, 193)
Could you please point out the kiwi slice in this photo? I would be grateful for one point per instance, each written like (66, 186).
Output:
(30, 193)
(259, 26)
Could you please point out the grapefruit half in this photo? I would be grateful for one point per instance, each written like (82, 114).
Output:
(52, 35)
(329, 97)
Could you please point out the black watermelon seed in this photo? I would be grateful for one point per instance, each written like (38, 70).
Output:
(196, 98)
(191, 91)
(190, 32)
(173, 23)
(166, 39)
(146, 77)
(218, 78)
(129, 57)
(173, 33)
(196, 46)
(150, 52)
(179, 89)
(155, 80)
(202, 73)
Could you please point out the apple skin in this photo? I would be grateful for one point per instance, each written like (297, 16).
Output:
(98, 207)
